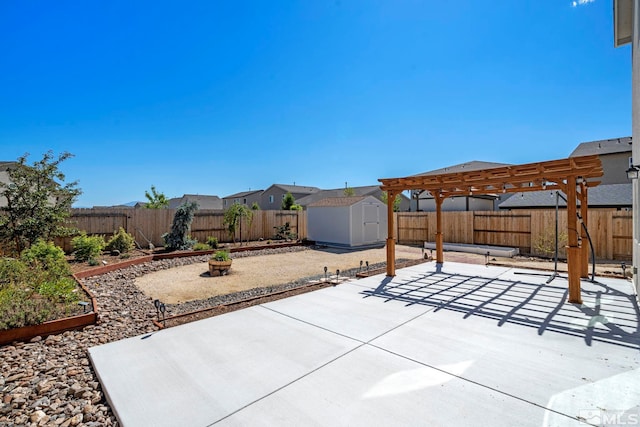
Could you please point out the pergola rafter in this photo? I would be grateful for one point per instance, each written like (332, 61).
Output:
(573, 176)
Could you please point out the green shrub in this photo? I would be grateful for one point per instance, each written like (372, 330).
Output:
(87, 248)
(201, 247)
(178, 238)
(64, 289)
(121, 241)
(212, 242)
(12, 272)
(47, 257)
(221, 256)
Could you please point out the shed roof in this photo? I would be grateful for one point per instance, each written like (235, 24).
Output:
(338, 201)
(603, 146)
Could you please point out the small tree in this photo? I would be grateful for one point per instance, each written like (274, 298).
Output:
(38, 202)
(255, 206)
(349, 192)
(396, 202)
(155, 200)
(178, 238)
(233, 217)
(288, 201)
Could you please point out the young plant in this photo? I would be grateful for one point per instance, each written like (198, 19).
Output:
(201, 247)
(212, 242)
(87, 248)
(221, 256)
(233, 217)
(121, 241)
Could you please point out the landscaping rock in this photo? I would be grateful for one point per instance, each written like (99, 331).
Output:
(54, 374)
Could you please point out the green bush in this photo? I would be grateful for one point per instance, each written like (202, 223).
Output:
(221, 256)
(178, 238)
(37, 287)
(212, 242)
(87, 248)
(120, 241)
(201, 247)
(12, 272)
(46, 257)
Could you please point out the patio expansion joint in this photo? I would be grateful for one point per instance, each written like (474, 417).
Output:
(370, 343)
(361, 344)
(474, 382)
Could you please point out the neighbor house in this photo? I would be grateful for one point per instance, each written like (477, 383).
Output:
(424, 201)
(271, 198)
(203, 201)
(247, 198)
(614, 191)
(369, 190)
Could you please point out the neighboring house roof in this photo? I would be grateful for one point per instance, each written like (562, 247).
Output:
(606, 195)
(473, 165)
(297, 189)
(242, 194)
(604, 146)
(204, 202)
(337, 201)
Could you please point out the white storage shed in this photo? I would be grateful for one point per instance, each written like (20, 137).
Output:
(347, 221)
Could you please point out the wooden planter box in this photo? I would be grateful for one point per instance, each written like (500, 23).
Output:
(219, 268)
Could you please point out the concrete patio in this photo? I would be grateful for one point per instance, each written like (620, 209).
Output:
(468, 345)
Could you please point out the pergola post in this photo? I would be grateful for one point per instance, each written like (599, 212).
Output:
(391, 243)
(584, 266)
(573, 248)
(439, 238)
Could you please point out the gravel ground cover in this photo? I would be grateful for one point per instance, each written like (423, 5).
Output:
(50, 381)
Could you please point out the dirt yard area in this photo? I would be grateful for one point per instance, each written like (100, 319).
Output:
(192, 282)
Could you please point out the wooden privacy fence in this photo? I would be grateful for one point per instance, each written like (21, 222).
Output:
(148, 225)
(532, 231)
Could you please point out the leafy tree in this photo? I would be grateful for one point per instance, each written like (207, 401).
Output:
(288, 201)
(233, 217)
(255, 206)
(349, 192)
(178, 238)
(38, 202)
(155, 200)
(396, 202)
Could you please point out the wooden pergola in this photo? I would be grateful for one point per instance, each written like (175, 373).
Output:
(572, 176)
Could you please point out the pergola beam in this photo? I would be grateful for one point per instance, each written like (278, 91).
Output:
(563, 174)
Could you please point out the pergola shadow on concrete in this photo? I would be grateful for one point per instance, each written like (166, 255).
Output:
(573, 176)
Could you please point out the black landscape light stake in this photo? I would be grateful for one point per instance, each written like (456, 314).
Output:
(624, 267)
(162, 310)
(156, 304)
(325, 273)
(423, 253)
(360, 269)
(486, 258)
(367, 263)
(84, 305)
(337, 276)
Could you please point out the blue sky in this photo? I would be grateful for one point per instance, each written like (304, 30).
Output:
(218, 97)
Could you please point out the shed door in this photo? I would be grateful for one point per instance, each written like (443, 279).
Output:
(371, 219)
